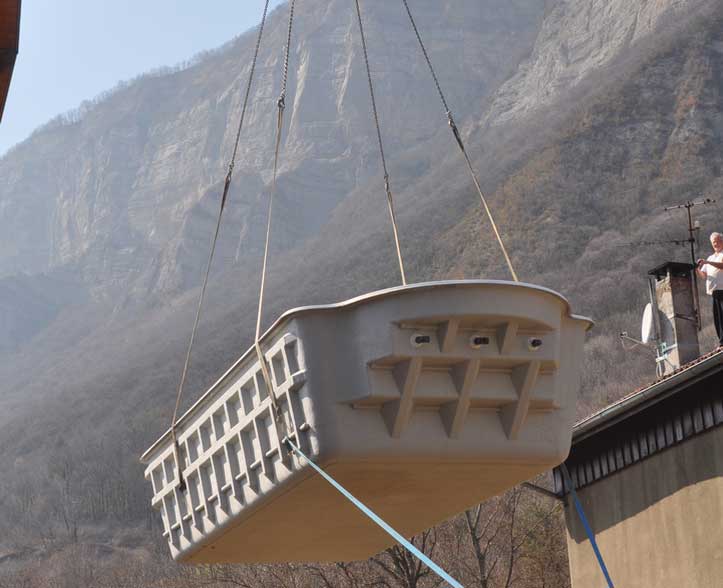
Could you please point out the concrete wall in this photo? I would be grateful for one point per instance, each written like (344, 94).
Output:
(657, 523)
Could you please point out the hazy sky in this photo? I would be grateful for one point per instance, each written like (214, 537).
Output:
(71, 51)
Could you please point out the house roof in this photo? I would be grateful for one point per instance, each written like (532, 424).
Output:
(649, 420)
(648, 395)
(9, 40)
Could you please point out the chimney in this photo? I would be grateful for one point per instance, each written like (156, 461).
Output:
(673, 286)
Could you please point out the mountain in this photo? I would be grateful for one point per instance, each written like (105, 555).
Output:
(124, 190)
(583, 119)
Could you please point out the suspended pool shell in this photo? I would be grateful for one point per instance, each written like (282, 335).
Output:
(422, 400)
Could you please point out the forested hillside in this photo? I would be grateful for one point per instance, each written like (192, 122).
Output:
(583, 119)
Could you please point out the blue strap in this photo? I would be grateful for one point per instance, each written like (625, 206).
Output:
(379, 521)
(586, 525)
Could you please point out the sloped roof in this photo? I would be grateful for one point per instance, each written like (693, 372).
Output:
(686, 403)
(647, 395)
(9, 39)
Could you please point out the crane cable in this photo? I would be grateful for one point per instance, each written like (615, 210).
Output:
(279, 422)
(387, 188)
(460, 143)
(214, 240)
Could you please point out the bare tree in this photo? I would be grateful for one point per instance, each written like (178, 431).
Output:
(507, 530)
(65, 501)
(483, 526)
(346, 575)
(404, 567)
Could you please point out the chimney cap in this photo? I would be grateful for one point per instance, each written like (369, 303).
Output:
(674, 268)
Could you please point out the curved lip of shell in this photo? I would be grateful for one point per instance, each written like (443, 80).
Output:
(350, 303)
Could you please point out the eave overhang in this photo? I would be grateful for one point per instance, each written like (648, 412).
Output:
(9, 42)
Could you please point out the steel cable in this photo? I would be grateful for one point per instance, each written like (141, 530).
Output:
(214, 240)
(265, 372)
(387, 187)
(460, 142)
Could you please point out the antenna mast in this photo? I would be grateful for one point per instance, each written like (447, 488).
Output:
(692, 240)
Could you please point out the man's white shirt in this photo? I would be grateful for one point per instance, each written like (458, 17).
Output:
(714, 276)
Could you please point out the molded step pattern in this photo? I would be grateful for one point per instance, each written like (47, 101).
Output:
(452, 368)
(231, 452)
(423, 400)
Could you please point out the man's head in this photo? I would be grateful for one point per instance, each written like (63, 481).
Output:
(716, 240)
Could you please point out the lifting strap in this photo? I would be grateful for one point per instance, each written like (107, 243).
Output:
(283, 431)
(226, 186)
(379, 521)
(460, 144)
(387, 187)
(583, 519)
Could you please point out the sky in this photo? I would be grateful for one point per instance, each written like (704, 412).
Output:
(73, 50)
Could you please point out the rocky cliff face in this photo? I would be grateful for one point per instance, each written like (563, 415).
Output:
(577, 39)
(126, 192)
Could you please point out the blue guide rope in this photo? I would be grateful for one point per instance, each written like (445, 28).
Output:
(379, 521)
(586, 525)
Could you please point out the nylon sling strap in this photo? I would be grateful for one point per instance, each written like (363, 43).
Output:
(588, 529)
(214, 240)
(283, 430)
(379, 521)
(460, 143)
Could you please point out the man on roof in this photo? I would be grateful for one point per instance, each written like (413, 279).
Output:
(712, 270)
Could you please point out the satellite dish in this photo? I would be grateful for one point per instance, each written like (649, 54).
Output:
(647, 329)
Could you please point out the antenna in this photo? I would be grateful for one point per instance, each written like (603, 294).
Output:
(650, 328)
(663, 242)
(651, 333)
(652, 336)
(656, 347)
(693, 229)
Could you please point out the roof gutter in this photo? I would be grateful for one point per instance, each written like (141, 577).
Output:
(649, 396)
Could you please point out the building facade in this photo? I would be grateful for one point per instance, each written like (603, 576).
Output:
(648, 471)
